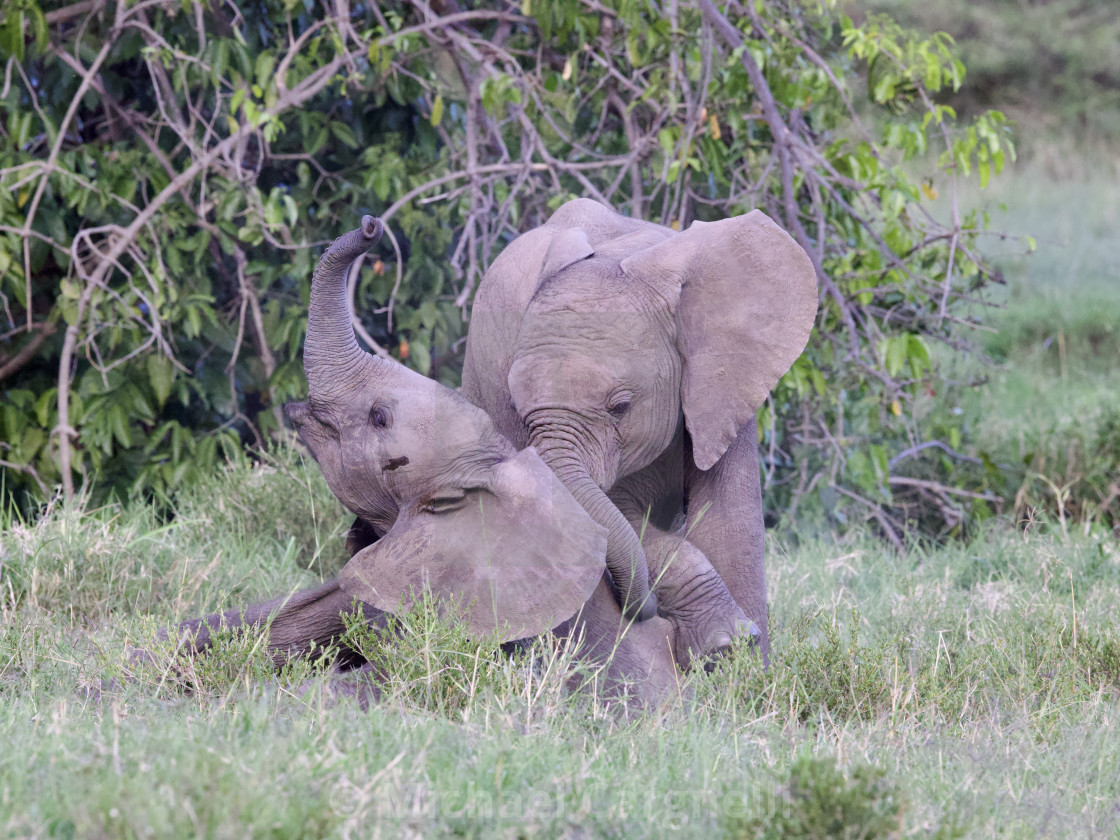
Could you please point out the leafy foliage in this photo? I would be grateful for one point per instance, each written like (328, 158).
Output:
(168, 170)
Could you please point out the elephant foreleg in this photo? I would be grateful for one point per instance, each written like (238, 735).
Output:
(725, 523)
(694, 598)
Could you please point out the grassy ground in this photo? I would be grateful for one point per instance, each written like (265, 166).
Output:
(962, 691)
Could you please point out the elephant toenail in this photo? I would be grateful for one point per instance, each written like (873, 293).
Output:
(748, 628)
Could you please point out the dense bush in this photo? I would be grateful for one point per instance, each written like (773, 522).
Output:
(169, 170)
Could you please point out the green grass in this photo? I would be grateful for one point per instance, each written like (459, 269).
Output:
(1054, 403)
(969, 690)
(1049, 412)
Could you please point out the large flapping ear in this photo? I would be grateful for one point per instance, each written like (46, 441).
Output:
(519, 556)
(748, 299)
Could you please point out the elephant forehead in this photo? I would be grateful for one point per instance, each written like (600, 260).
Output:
(435, 408)
(438, 431)
(540, 375)
(601, 332)
(594, 287)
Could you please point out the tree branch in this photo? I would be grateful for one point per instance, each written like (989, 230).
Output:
(308, 88)
(10, 365)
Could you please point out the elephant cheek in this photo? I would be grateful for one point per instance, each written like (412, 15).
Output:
(356, 479)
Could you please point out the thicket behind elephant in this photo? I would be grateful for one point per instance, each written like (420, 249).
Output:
(634, 358)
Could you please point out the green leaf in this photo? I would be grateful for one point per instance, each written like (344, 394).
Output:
(344, 133)
(918, 355)
(11, 34)
(39, 27)
(44, 406)
(161, 373)
(420, 356)
(894, 352)
(118, 421)
(263, 68)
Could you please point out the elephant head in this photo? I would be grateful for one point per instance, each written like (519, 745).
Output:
(460, 510)
(705, 321)
(629, 333)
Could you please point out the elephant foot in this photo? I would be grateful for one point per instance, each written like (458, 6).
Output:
(710, 631)
(706, 621)
(720, 643)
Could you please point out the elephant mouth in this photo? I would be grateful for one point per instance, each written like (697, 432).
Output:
(569, 445)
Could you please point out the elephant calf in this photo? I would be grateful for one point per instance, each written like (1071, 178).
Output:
(633, 358)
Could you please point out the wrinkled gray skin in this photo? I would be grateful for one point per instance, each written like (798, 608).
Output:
(633, 358)
(311, 619)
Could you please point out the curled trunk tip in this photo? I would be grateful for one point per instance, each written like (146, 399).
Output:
(372, 228)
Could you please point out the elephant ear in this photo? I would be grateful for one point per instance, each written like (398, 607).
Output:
(519, 555)
(748, 298)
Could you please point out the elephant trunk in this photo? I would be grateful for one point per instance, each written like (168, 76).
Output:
(626, 561)
(331, 357)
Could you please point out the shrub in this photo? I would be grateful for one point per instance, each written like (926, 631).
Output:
(164, 192)
(818, 800)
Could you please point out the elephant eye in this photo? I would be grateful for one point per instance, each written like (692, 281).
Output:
(379, 416)
(619, 408)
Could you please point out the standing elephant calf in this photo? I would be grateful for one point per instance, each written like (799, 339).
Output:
(633, 358)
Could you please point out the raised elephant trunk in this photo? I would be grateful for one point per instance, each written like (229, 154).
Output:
(626, 561)
(332, 359)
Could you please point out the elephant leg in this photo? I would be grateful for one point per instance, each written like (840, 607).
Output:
(694, 598)
(296, 623)
(725, 523)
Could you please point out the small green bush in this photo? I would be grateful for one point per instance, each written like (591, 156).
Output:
(817, 800)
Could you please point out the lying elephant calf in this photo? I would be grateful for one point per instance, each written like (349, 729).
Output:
(637, 657)
(446, 502)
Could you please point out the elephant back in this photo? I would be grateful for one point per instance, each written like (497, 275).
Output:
(499, 305)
